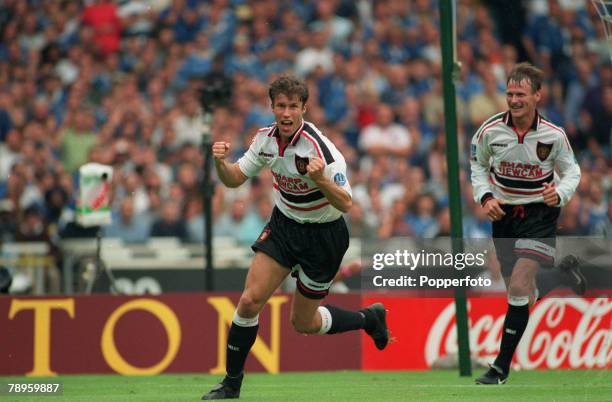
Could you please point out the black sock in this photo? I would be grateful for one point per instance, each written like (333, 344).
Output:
(239, 343)
(370, 320)
(514, 326)
(344, 320)
(547, 280)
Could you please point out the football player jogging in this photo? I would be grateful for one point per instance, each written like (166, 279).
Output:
(306, 235)
(513, 158)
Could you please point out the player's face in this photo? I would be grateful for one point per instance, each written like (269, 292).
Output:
(288, 112)
(521, 99)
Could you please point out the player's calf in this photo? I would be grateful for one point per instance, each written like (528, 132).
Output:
(304, 326)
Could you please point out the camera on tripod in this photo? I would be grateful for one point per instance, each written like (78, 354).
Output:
(216, 88)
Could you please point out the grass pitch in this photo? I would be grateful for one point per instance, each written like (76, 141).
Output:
(441, 385)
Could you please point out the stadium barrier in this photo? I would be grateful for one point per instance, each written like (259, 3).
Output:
(186, 333)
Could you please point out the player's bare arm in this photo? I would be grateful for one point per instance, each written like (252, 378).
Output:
(336, 196)
(229, 173)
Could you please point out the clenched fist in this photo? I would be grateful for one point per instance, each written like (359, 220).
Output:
(494, 210)
(551, 198)
(315, 169)
(220, 150)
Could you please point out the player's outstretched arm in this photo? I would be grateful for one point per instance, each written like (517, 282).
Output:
(338, 197)
(229, 173)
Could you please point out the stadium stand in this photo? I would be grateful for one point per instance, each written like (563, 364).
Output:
(113, 82)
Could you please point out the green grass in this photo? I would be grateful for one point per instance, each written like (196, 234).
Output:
(560, 385)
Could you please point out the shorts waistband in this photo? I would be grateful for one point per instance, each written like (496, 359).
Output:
(531, 205)
(276, 213)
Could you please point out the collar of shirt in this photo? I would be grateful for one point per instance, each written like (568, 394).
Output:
(534, 124)
(294, 137)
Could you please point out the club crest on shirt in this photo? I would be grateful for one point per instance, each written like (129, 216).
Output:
(543, 150)
(301, 164)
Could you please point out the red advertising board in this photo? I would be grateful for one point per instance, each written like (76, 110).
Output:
(150, 335)
(562, 333)
(187, 332)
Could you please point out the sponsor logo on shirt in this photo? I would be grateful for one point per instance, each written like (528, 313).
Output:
(518, 169)
(290, 183)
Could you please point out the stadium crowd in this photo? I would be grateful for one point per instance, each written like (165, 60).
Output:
(113, 82)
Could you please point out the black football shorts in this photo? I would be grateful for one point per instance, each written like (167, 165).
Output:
(526, 231)
(313, 251)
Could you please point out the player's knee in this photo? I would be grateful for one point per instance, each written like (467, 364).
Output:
(303, 326)
(250, 305)
(519, 289)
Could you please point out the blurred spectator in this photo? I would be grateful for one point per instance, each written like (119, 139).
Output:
(8, 221)
(316, 55)
(128, 226)
(103, 17)
(169, 223)
(230, 221)
(34, 228)
(338, 27)
(254, 221)
(385, 137)
(5, 124)
(442, 227)
(77, 138)
(394, 222)
(476, 225)
(422, 220)
(56, 209)
(357, 223)
(412, 118)
(577, 89)
(597, 206)
(186, 121)
(194, 221)
(492, 100)
(574, 218)
(243, 60)
(543, 36)
(9, 154)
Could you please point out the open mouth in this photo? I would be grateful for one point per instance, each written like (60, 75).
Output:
(286, 123)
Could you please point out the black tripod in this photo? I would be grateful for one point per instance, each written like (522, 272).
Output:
(207, 199)
(100, 266)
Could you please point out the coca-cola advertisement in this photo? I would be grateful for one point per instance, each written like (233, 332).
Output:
(571, 333)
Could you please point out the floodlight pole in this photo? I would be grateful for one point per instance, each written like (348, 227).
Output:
(449, 69)
(207, 199)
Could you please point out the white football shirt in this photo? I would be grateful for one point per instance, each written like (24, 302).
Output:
(295, 194)
(514, 166)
